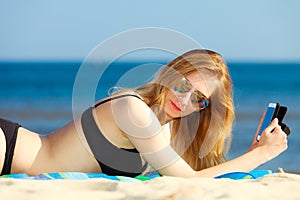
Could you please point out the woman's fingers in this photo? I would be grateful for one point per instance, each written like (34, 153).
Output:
(273, 140)
(272, 126)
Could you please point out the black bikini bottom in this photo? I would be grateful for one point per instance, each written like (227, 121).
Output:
(10, 130)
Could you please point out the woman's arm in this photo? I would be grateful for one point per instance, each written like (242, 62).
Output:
(143, 129)
(272, 142)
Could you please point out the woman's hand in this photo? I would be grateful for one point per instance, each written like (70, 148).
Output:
(273, 141)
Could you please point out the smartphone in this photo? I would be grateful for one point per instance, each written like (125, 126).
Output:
(280, 115)
(271, 112)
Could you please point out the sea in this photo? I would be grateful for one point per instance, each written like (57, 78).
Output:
(40, 96)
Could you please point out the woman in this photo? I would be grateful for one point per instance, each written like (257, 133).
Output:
(180, 124)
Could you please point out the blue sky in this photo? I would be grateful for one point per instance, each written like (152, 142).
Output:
(256, 30)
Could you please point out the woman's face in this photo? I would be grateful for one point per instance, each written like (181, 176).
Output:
(180, 104)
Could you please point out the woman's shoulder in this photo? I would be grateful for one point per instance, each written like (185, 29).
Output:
(124, 104)
(127, 95)
(129, 101)
(130, 109)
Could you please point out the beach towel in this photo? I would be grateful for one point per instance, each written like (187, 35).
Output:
(83, 176)
(79, 176)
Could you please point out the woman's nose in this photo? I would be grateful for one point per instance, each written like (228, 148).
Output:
(185, 97)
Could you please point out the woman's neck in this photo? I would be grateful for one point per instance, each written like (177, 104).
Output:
(162, 117)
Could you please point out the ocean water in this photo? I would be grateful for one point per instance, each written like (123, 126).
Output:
(38, 95)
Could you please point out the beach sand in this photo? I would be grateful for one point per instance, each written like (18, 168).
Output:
(274, 186)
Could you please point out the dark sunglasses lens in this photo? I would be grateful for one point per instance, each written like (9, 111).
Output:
(183, 86)
(199, 100)
(203, 103)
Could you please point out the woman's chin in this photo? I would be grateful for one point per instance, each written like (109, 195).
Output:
(172, 112)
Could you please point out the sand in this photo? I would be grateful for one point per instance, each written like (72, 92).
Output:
(281, 186)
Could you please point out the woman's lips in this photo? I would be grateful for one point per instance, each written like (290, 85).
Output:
(175, 106)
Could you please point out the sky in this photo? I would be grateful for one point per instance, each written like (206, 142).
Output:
(53, 30)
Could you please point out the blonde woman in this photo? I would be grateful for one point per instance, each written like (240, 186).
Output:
(180, 124)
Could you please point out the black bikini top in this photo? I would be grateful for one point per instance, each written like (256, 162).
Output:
(112, 160)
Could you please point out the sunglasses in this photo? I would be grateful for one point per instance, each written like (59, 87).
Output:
(198, 100)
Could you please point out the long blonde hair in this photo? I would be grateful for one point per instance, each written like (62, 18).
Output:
(202, 138)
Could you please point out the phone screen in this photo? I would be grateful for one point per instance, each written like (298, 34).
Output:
(270, 113)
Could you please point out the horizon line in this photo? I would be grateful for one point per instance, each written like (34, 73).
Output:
(283, 61)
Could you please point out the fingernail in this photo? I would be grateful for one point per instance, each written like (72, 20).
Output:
(275, 120)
